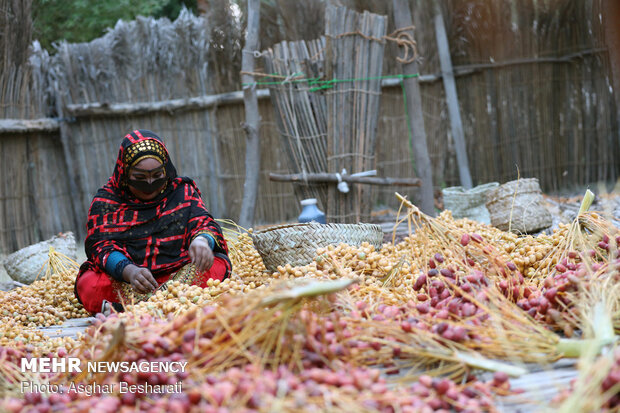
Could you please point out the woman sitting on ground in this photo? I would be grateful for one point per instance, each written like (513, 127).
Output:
(144, 226)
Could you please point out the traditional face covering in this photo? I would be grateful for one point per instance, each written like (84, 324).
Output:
(146, 187)
(144, 149)
(138, 145)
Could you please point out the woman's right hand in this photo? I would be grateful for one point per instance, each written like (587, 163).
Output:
(140, 279)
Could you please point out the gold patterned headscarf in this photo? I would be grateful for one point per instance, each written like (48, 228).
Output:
(148, 148)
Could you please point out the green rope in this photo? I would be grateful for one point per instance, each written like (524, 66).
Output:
(318, 84)
(327, 84)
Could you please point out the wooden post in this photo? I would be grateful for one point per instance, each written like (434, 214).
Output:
(447, 72)
(424, 170)
(612, 39)
(252, 119)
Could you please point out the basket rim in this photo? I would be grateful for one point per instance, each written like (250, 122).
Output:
(312, 224)
(477, 190)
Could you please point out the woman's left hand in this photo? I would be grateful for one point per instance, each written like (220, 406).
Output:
(201, 254)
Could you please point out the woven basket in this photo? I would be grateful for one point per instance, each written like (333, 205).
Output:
(296, 244)
(468, 203)
(525, 208)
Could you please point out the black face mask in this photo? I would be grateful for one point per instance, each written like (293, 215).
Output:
(148, 188)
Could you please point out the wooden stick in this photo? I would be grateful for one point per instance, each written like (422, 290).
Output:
(136, 108)
(327, 177)
(413, 96)
(29, 125)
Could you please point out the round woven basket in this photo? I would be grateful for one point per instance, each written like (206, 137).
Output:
(518, 205)
(296, 244)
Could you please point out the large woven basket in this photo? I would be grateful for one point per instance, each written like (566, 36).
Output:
(518, 206)
(296, 244)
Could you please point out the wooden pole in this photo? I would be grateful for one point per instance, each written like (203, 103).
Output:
(424, 170)
(612, 39)
(252, 119)
(327, 177)
(171, 105)
(29, 125)
(447, 72)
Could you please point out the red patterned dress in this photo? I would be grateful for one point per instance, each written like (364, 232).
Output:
(153, 234)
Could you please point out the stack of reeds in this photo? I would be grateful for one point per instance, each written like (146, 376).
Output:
(328, 123)
(301, 113)
(354, 54)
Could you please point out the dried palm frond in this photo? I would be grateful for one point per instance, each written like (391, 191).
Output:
(257, 328)
(415, 347)
(436, 235)
(11, 375)
(59, 263)
(422, 352)
(506, 332)
(596, 304)
(587, 394)
(588, 232)
(595, 307)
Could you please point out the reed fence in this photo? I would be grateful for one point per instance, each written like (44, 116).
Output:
(33, 190)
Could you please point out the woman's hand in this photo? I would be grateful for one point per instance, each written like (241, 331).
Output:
(201, 254)
(140, 279)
